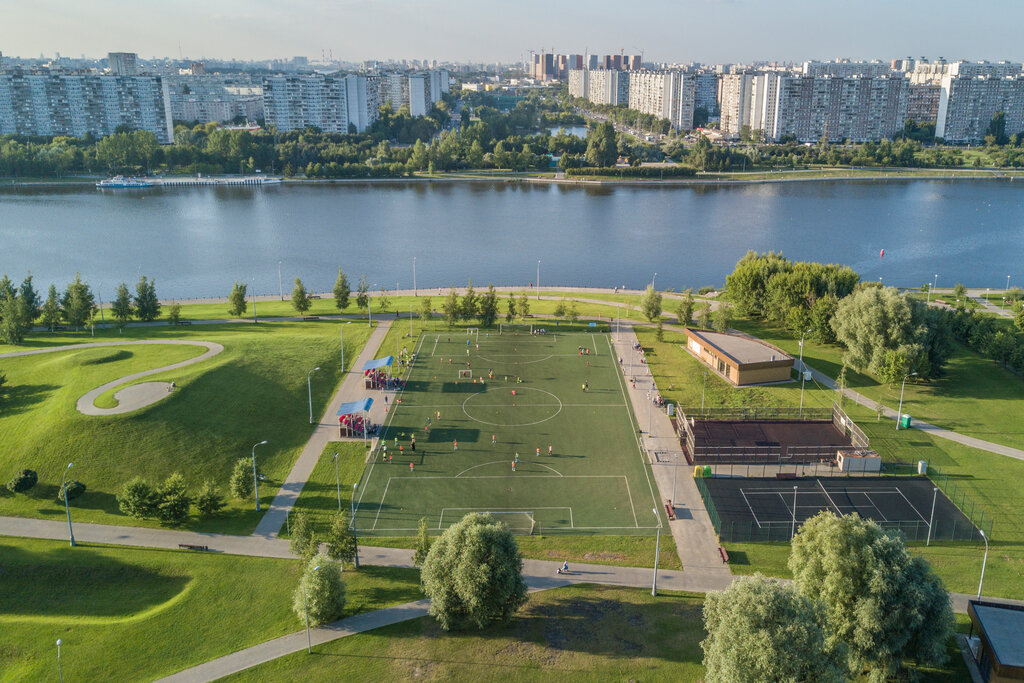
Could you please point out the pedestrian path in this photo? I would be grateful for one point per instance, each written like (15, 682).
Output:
(694, 535)
(352, 389)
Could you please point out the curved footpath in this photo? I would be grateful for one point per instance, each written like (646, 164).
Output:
(136, 396)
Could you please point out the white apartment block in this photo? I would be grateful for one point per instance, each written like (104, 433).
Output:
(846, 68)
(737, 96)
(49, 103)
(664, 94)
(123, 63)
(362, 95)
(967, 105)
(578, 81)
(608, 86)
(419, 91)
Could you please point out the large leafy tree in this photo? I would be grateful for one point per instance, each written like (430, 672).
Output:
(121, 307)
(473, 574)
(320, 593)
(426, 308)
(303, 540)
(602, 145)
(876, 320)
(650, 303)
(684, 311)
(759, 630)
(341, 541)
(489, 307)
(237, 303)
(147, 305)
(342, 291)
(883, 603)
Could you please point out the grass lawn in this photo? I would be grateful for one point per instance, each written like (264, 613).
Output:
(994, 482)
(319, 497)
(254, 390)
(594, 482)
(138, 614)
(580, 633)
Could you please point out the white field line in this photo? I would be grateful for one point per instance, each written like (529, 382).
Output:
(830, 498)
(756, 521)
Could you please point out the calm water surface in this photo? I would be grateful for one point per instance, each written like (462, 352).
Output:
(196, 242)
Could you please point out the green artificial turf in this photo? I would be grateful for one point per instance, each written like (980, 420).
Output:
(594, 482)
(138, 614)
(254, 390)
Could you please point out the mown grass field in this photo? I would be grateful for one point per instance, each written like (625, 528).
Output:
(254, 390)
(138, 614)
(581, 633)
(994, 482)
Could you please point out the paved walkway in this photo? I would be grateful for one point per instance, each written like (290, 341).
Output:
(130, 398)
(352, 388)
(695, 537)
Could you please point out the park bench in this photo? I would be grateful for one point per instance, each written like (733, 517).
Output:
(785, 475)
(724, 554)
(184, 322)
(670, 509)
(311, 317)
(189, 546)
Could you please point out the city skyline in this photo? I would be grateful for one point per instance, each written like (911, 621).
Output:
(457, 30)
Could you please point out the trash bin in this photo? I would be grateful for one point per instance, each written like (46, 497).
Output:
(922, 467)
(904, 421)
(707, 470)
(696, 471)
(671, 409)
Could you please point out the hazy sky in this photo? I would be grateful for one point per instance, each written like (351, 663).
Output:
(488, 30)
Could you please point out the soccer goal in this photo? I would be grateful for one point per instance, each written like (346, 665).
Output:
(519, 522)
(465, 374)
(515, 328)
(473, 332)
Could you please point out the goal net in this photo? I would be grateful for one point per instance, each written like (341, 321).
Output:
(519, 523)
(467, 374)
(515, 328)
(473, 332)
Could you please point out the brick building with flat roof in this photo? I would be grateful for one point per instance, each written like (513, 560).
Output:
(739, 359)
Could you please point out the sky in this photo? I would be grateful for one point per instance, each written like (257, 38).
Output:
(709, 31)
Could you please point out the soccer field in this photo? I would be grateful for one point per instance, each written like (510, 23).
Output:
(525, 393)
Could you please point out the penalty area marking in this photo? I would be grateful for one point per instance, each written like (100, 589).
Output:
(572, 524)
(505, 462)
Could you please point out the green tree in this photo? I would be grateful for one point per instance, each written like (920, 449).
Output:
(78, 303)
(959, 291)
(29, 302)
(173, 501)
(1018, 319)
(147, 305)
(237, 301)
(303, 541)
(659, 332)
(383, 301)
(488, 307)
(470, 307)
(684, 310)
(208, 501)
(523, 306)
(341, 542)
(321, 592)
(473, 574)
(422, 544)
(573, 313)
(241, 482)
(174, 314)
(510, 312)
(820, 319)
(137, 499)
(722, 316)
(895, 366)
(121, 306)
(342, 291)
(602, 145)
(560, 309)
(704, 316)
(883, 603)
(301, 299)
(452, 307)
(51, 312)
(875, 320)
(650, 303)
(362, 294)
(23, 480)
(759, 630)
(11, 329)
(426, 308)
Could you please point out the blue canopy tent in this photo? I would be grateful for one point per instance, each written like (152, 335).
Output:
(356, 407)
(376, 364)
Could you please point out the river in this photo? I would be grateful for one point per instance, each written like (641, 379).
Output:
(197, 241)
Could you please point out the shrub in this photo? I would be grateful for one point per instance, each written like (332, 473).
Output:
(74, 490)
(23, 481)
(137, 499)
(324, 594)
(209, 502)
(173, 501)
(634, 171)
(241, 479)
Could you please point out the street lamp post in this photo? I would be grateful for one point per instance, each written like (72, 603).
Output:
(703, 388)
(983, 562)
(675, 477)
(255, 479)
(60, 669)
(792, 529)
(64, 488)
(305, 608)
(931, 519)
(899, 413)
(803, 372)
(352, 514)
(415, 292)
(280, 283)
(653, 279)
(341, 335)
(538, 279)
(255, 320)
(337, 479)
(657, 550)
(309, 390)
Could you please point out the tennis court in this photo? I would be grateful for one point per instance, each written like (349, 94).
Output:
(533, 427)
(768, 509)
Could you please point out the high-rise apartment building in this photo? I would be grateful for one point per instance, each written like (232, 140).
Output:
(664, 94)
(48, 103)
(923, 102)
(836, 108)
(418, 91)
(846, 68)
(967, 105)
(736, 108)
(330, 103)
(123, 63)
(706, 91)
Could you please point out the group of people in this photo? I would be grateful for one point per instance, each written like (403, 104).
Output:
(378, 379)
(352, 426)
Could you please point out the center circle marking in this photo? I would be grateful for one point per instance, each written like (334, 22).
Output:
(512, 424)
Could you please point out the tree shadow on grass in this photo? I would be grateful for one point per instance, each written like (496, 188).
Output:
(109, 357)
(22, 397)
(87, 583)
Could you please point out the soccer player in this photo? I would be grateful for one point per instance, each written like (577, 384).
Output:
(455, 443)
(411, 467)
(538, 451)
(494, 438)
(550, 449)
